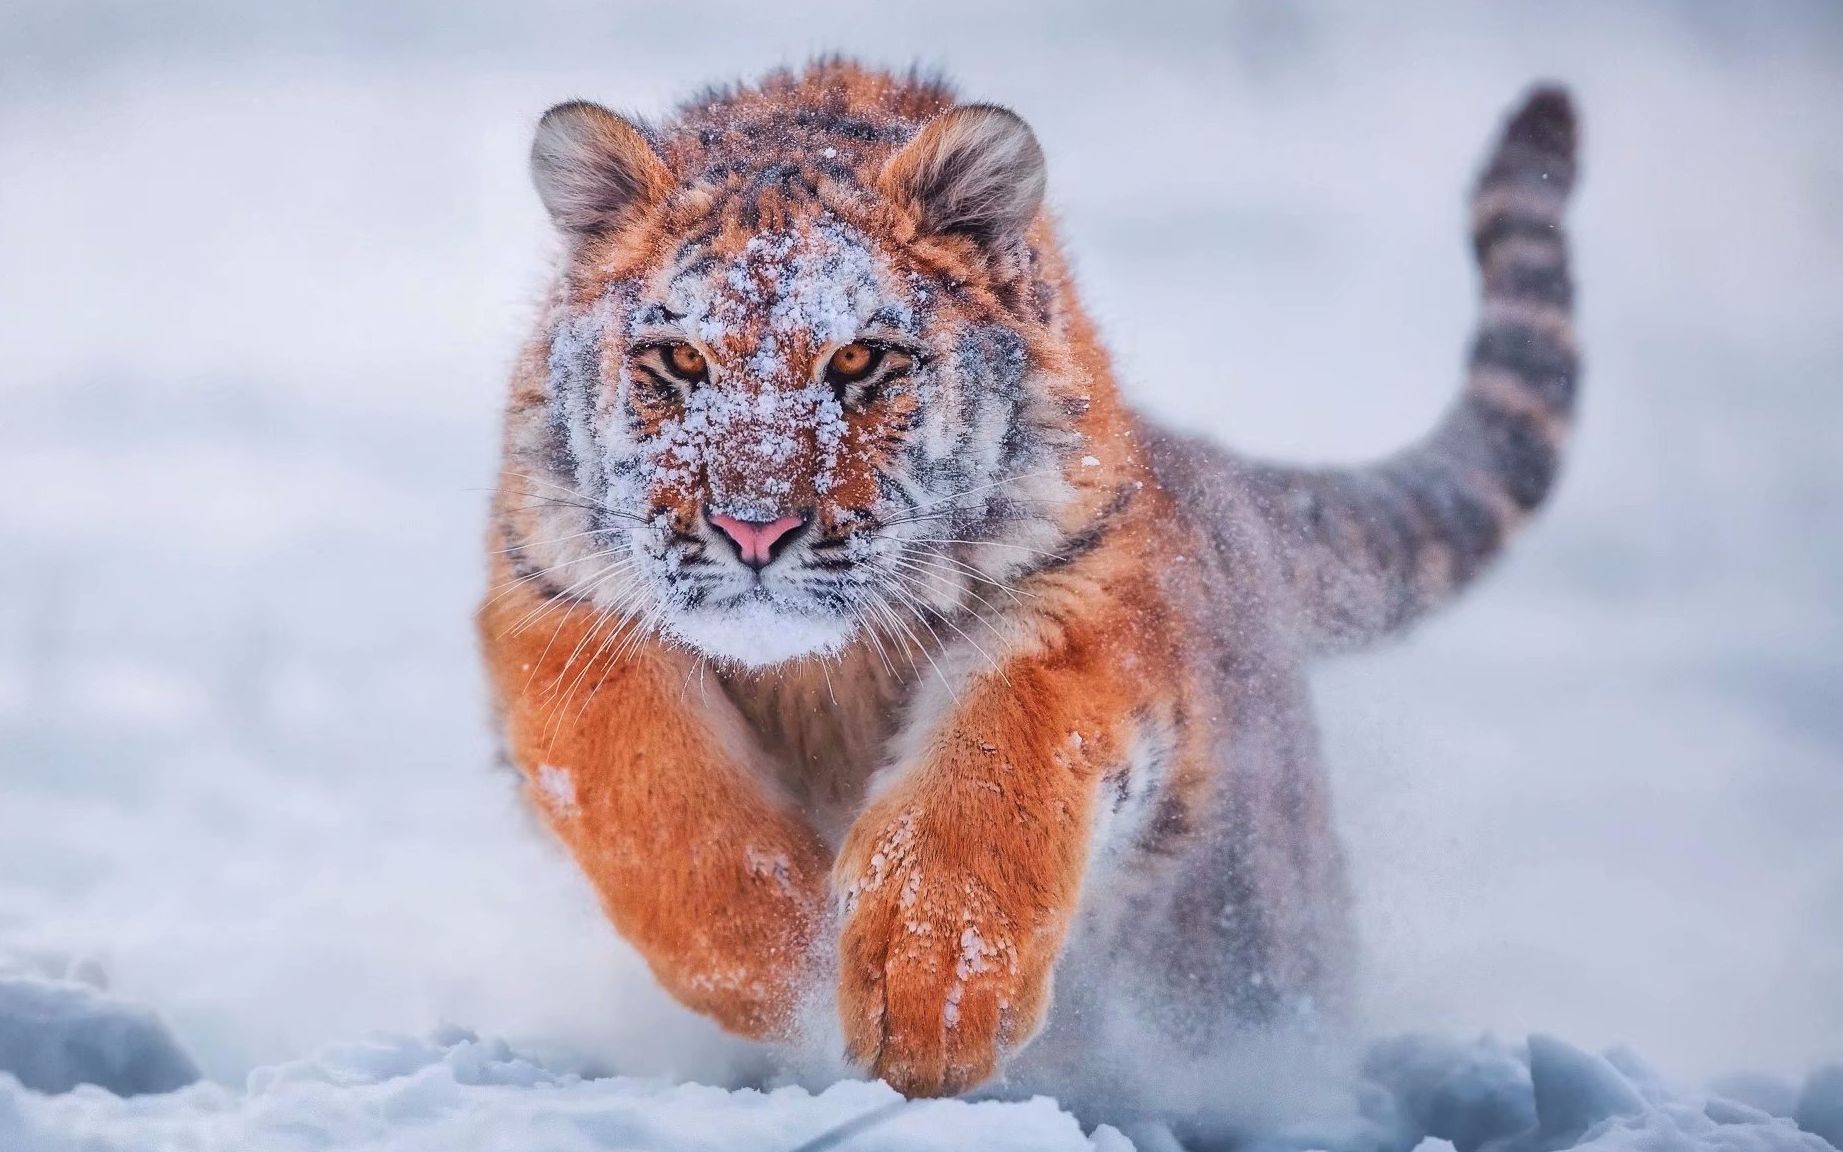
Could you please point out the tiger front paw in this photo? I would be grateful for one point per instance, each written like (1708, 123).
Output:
(939, 980)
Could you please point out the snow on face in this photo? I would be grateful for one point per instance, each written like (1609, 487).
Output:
(756, 632)
(763, 437)
(749, 447)
(557, 788)
(766, 433)
(945, 447)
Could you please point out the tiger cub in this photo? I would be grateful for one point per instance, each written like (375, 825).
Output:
(867, 651)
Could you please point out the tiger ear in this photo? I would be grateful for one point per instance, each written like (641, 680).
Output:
(592, 167)
(976, 169)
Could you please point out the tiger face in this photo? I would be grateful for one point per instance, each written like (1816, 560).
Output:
(794, 397)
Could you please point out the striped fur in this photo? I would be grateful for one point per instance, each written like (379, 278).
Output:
(1362, 553)
(1020, 705)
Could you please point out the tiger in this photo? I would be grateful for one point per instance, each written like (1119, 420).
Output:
(873, 660)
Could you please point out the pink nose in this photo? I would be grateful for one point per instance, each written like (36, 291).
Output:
(755, 539)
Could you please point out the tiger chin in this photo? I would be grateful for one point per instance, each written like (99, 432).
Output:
(865, 648)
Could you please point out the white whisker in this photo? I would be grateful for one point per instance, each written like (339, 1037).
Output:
(947, 500)
(980, 543)
(931, 556)
(923, 613)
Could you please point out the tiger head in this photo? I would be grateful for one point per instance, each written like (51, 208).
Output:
(806, 375)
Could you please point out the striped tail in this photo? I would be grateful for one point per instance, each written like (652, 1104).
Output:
(1366, 551)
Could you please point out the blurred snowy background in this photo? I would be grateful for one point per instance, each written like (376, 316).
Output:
(262, 271)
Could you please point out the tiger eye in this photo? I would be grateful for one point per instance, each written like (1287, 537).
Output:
(853, 361)
(685, 361)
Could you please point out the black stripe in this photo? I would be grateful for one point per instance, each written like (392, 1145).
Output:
(1463, 523)
(1522, 455)
(1085, 541)
(662, 386)
(558, 454)
(1395, 541)
(1540, 283)
(1543, 364)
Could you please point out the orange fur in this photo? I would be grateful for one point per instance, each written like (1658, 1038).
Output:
(961, 880)
(1063, 701)
(703, 868)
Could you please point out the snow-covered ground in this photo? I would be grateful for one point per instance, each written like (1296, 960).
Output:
(456, 1092)
(261, 271)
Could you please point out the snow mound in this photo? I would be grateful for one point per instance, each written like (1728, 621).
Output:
(1426, 1094)
(57, 1033)
(456, 1092)
(1820, 1106)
